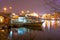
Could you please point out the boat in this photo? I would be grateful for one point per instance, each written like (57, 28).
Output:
(33, 26)
(30, 22)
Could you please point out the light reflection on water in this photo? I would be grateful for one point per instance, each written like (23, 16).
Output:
(21, 31)
(50, 24)
(47, 26)
(16, 31)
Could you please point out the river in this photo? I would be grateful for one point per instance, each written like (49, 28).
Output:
(51, 31)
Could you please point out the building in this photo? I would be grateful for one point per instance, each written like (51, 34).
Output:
(58, 14)
(4, 19)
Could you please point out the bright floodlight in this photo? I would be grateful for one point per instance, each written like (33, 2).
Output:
(34, 14)
(4, 8)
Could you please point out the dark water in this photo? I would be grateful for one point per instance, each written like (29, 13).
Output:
(47, 33)
(26, 34)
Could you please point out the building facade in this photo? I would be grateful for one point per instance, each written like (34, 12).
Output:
(4, 19)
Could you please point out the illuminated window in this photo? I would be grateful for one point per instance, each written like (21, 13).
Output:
(22, 19)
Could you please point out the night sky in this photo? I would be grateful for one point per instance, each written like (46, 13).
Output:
(38, 6)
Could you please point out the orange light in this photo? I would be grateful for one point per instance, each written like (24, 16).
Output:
(22, 11)
(1, 19)
(4, 8)
(2, 30)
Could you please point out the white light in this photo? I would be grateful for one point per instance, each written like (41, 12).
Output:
(13, 14)
(11, 33)
(34, 14)
(22, 19)
(43, 25)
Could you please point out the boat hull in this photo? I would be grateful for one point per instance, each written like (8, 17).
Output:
(33, 26)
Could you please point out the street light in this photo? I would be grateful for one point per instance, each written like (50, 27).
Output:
(28, 11)
(22, 12)
(10, 7)
(5, 9)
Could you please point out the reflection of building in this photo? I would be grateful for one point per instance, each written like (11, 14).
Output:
(47, 23)
(4, 18)
(56, 16)
(54, 19)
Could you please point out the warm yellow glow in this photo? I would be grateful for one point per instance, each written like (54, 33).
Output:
(50, 23)
(15, 17)
(4, 8)
(1, 19)
(44, 16)
(2, 30)
(22, 11)
(34, 14)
